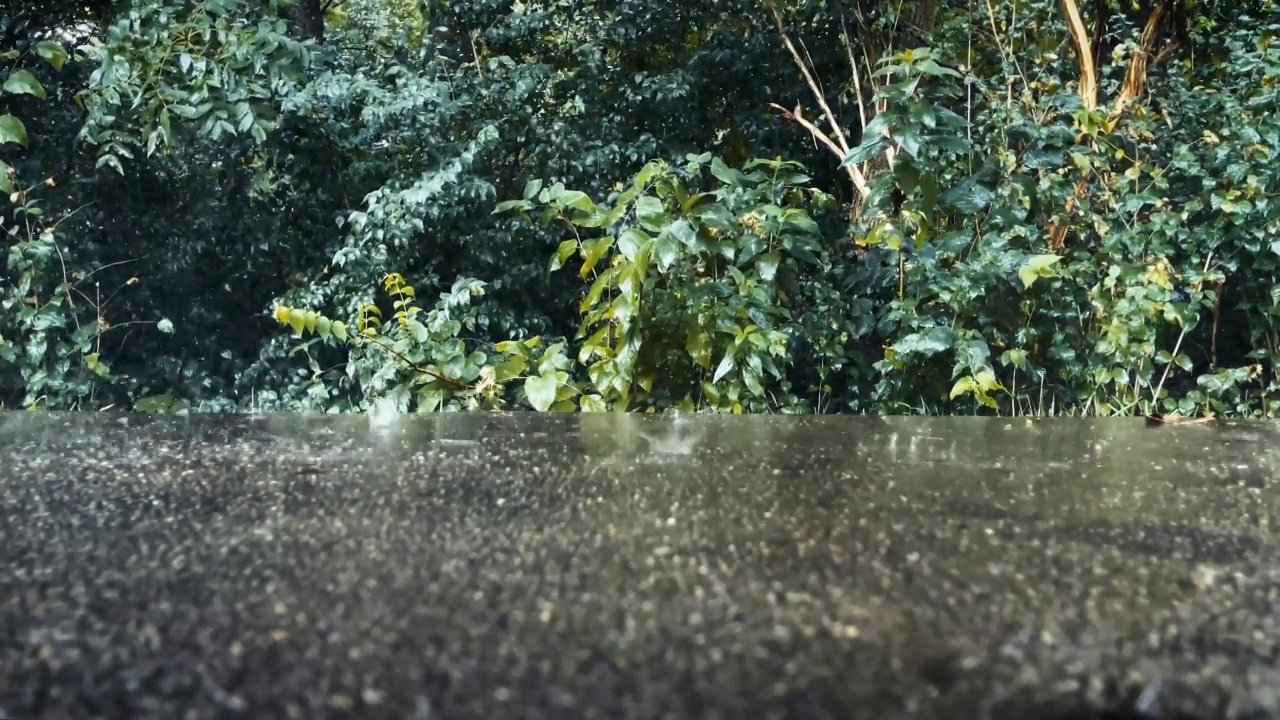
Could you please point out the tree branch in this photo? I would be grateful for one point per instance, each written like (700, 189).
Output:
(840, 145)
(859, 181)
(1135, 78)
(1165, 52)
(415, 367)
(1084, 55)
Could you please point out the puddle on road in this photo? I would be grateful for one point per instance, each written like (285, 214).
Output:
(1091, 475)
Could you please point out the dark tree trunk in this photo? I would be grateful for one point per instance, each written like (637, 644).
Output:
(308, 19)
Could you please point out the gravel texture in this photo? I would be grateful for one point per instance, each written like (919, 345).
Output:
(611, 566)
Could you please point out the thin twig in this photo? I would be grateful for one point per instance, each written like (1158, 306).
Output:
(1176, 347)
(842, 146)
(853, 68)
(415, 367)
(475, 52)
(795, 115)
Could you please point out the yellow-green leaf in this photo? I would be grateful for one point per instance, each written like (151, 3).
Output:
(52, 53)
(562, 253)
(964, 385)
(592, 403)
(22, 82)
(12, 130)
(541, 391)
(509, 369)
(1037, 266)
(594, 254)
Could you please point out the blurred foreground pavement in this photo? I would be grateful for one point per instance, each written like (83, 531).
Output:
(622, 566)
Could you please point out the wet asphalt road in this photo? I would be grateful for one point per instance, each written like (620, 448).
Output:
(630, 567)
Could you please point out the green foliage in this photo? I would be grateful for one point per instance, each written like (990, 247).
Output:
(1119, 234)
(45, 332)
(1004, 247)
(692, 290)
(218, 67)
(421, 360)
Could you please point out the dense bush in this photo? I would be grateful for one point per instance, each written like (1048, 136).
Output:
(769, 207)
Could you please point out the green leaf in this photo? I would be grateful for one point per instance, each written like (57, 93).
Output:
(947, 142)
(683, 231)
(6, 185)
(592, 403)
(432, 396)
(508, 369)
(649, 210)
(594, 253)
(562, 253)
(930, 342)
(727, 363)
(576, 199)
(22, 82)
(1037, 266)
(726, 174)
(52, 53)
(752, 375)
(541, 391)
(1016, 357)
(973, 354)
(631, 242)
(909, 140)
(800, 252)
(970, 197)
(509, 205)
(12, 130)
(668, 250)
(767, 265)
(531, 188)
(455, 366)
(929, 67)
(884, 234)
(870, 148)
(111, 160)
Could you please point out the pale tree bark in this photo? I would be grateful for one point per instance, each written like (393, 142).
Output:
(1080, 38)
(1135, 79)
(836, 141)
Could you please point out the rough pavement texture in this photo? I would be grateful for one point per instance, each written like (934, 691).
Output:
(635, 567)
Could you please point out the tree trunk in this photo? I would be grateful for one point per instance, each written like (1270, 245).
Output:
(923, 16)
(308, 19)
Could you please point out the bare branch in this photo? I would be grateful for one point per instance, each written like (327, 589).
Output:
(859, 180)
(840, 144)
(808, 76)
